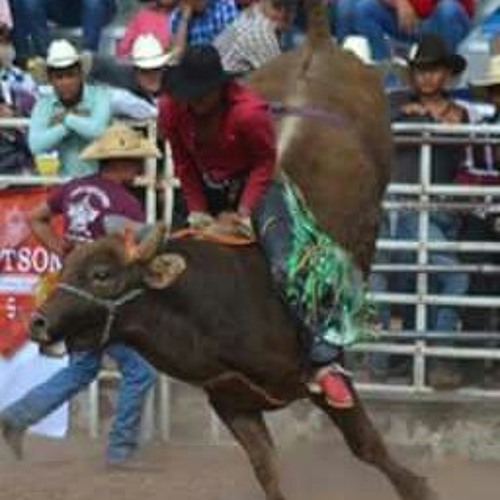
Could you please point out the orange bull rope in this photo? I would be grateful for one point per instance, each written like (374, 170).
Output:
(214, 237)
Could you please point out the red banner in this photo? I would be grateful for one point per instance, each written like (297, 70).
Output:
(22, 261)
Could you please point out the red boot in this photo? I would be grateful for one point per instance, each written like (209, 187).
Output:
(335, 388)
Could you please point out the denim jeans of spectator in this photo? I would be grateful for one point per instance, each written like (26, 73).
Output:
(343, 18)
(375, 20)
(442, 227)
(91, 15)
(137, 378)
(20, 30)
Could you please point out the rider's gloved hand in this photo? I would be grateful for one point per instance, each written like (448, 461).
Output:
(200, 220)
(237, 223)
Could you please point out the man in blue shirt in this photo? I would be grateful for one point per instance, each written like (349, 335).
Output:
(198, 22)
(71, 115)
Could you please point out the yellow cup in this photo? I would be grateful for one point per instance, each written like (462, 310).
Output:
(47, 163)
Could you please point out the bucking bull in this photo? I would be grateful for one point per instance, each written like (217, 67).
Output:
(208, 314)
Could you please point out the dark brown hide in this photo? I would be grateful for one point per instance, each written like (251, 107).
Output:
(342, 165)
(222, 328)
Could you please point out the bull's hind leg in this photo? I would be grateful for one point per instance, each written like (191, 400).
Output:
(250, 430)
(366, 443)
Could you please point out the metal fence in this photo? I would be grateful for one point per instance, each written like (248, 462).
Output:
(422, 197)
(427, 197)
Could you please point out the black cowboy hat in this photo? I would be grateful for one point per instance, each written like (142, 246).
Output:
(431, 50)
(198, 72)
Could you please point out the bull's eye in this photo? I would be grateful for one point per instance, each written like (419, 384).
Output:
(101, 274)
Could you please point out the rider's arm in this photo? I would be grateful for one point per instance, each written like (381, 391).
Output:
(257, 133)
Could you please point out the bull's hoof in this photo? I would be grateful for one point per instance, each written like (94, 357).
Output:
(13, 437)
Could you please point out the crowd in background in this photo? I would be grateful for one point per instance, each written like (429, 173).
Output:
(248, 34)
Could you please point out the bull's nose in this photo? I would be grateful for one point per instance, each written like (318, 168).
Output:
(38, 328)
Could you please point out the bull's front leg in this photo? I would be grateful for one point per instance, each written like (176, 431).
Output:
(367, 444)
(251, 432)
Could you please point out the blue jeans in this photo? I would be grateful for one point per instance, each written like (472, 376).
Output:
(91, 15)
(343, 16)
(442, 227)
(375, 20)
(137, 378)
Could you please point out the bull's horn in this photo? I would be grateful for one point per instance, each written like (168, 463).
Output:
(148, 247)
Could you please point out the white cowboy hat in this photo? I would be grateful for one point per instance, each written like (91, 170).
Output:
(120, 141)
(492, 76)
(148, 53)
(360, 47)
(61, 54)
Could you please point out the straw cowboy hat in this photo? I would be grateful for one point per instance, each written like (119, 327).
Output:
(120, 141)
(492, 76)
(148, 53)
(432, 50)
(60, 55)
(360, 47)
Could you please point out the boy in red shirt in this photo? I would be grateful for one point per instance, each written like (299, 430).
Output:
(407, 20)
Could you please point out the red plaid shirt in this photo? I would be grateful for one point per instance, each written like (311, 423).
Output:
(244, 148)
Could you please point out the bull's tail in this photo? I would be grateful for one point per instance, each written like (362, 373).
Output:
(318, 25)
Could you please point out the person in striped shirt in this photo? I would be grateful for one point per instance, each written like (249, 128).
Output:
(254, 38)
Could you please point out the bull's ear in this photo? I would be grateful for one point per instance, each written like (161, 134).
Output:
(163, 270)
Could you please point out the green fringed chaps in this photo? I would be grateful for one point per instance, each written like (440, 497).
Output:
(322, 281)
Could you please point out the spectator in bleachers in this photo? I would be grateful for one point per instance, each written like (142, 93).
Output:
(407, 20)
(153, 18)
(91, 15)
(482, 167)
(341, 14)
(18, 88)
(431, 68)
(71, 115)
(17, 96)
(253, 39)
(140, 79)
(198, 22)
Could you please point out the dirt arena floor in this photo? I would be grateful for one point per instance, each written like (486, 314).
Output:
(73, 470)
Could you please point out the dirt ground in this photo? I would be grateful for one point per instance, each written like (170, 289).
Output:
(73, 470)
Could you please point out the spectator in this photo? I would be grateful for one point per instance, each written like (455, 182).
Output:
(142, 75)
(91, 15)
(253, 38)
(17, 87)
(482, 167)
(154, 19)
(340, 13)
(198, 22)
(17, 96)
(431, 68)
(84, 204)
(407, 20)
(71, 115)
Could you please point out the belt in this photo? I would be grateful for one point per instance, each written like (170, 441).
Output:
(222, 184)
